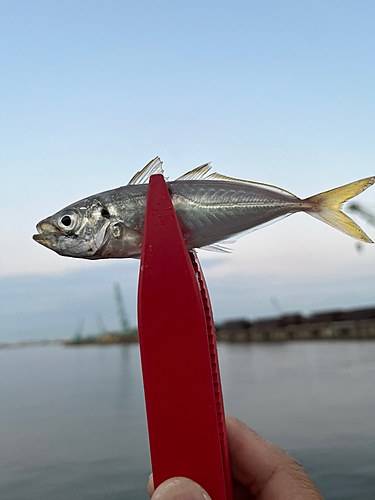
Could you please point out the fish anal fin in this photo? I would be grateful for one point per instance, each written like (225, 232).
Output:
(216, 248)
(155, 166)
(326, 207)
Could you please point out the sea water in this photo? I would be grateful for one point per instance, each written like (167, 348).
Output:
(73, 425)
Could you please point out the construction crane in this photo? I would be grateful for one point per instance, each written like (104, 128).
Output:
(77, 337)
(101, 326)
(121, 308)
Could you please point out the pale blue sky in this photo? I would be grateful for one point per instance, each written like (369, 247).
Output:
(277, 92)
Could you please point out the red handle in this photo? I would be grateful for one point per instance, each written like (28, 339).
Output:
(179, 359)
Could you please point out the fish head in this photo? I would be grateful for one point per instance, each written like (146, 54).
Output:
(88, 230)
(78, 230)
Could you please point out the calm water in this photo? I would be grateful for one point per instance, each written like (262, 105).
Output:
(72, 420)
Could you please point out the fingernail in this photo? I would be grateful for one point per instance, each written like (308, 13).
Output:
(150, 485)
(180, 488)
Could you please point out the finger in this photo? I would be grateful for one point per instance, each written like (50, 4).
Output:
(150, 485)
(266, 470)
(180, 488)
(240, 492)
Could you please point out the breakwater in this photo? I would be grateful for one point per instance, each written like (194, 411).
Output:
(351, 325)
(350, 330)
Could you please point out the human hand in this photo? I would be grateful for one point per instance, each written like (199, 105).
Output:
(260, 471)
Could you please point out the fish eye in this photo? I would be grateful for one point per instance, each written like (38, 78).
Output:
(68, 221)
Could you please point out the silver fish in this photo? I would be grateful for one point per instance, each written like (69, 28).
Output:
(209, 207)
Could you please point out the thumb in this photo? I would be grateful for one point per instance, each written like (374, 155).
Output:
(180, 488)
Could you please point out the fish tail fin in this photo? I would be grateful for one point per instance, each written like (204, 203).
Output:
(327, 207)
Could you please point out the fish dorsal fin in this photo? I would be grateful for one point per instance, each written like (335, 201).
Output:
(202, 173)
(196, 173)
(219, 177)
(155, 166)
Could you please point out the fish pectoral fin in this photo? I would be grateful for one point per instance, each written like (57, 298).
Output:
(327, 207)
(155, 166)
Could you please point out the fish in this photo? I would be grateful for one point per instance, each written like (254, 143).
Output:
(210, 208)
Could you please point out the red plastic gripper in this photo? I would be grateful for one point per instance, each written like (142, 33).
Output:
(181, 377)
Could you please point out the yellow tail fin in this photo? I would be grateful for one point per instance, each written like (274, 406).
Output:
(326, 207)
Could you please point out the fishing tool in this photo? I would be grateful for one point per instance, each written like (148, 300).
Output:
(184, 402)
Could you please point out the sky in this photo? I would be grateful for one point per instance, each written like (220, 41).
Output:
(275, 92)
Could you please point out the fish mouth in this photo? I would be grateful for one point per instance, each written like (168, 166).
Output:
(38, 237)
(41, 239)
(46, 232)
